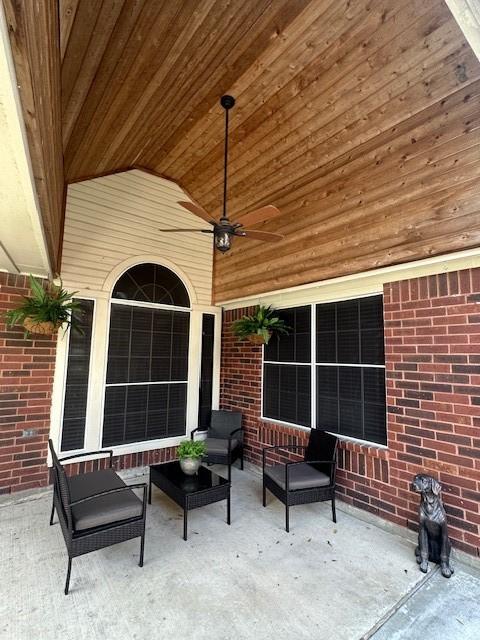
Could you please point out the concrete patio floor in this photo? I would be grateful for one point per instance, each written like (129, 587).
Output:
(249, 580)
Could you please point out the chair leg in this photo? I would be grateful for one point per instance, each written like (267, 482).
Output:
(69, 571)
(334, 512)
(142, 549)
(52, 514)
(241, 462)
(287, 519)
(264, 494)
(229, 471)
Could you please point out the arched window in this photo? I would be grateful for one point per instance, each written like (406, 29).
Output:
(147, 367)
(151, 283)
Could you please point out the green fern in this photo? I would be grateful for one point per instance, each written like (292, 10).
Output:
(264, 322)
(47, 304)
(191, 449)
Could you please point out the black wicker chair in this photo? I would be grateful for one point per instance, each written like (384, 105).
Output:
(96, 509)
(309, 480)
(224, 439)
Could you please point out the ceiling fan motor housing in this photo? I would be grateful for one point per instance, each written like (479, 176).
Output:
(227, 102)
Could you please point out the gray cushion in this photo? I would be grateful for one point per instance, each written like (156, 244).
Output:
(105, 509)
(301, 476)
(219, 446)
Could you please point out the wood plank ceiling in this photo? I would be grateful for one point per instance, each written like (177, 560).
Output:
(358, 119)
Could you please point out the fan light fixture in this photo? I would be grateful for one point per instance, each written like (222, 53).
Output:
(224, 230)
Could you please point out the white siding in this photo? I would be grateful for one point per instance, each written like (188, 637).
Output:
(114, 218)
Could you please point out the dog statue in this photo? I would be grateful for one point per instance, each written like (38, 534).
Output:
(433, 541)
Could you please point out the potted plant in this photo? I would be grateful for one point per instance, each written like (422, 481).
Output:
(190, 454)
(259, 327)
(46, 310)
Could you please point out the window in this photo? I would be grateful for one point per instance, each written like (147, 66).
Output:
(351, 399)
(287, 370)
(206, 371)
(76, 385)
(347, 369)
(147, 368)
(151, 283)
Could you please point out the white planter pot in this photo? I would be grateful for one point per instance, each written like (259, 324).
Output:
(190, 466)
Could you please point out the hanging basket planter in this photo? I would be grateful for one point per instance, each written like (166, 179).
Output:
(257, 339)
(259, 327)
(48, 308)
(41, 328)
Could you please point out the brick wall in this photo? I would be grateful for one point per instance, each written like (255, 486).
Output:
(432, 342)
(26, 377)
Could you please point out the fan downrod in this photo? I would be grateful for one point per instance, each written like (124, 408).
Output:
(227, 102)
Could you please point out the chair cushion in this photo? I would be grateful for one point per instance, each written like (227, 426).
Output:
(219, 446)
(301, 476)
(105, 509)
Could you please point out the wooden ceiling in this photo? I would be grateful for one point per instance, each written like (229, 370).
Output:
(359, 119)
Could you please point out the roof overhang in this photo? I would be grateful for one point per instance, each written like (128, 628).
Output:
(22, 241)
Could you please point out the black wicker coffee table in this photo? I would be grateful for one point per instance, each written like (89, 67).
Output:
(189, 492)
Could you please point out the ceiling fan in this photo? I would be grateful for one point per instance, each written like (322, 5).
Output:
(224, 230)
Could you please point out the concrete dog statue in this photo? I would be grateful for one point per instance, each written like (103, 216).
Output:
(433, 541)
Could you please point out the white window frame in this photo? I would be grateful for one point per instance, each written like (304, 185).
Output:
(98, 366)
(313, 368)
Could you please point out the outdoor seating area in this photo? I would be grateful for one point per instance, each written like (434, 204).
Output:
(185, 588)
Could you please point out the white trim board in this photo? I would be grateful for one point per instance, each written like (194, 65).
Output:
(358, 284)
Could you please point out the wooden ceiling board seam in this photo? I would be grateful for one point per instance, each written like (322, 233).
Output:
(364, 153)
(120, 35)
(352, 213)
(192, 106)
(114, 73)
(266, 29)
(298, 125)
(117, 107)
(169, 40)
(374, 254)
(243, 136)
(67, 12)
(157, 44)
(191, 38)
(207, 129)
(361, 264)
(87, 15)
(94, 52)
(306, 158)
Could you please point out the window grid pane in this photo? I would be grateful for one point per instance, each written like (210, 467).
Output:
(76, 386)
(351, 400)
(206, 370)
(146, 346)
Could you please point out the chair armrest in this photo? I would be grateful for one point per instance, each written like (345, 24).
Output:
(88, 453)
(230, 438)
(192, 437)
(141, 485)
(285, 446)
(279, 446)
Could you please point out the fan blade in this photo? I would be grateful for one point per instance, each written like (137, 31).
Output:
(197, 210)
(262, 235)
(260, 215)
(185, 230)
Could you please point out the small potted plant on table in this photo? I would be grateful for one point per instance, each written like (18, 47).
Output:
(46, 310)
(190, 454)
(259, 327)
